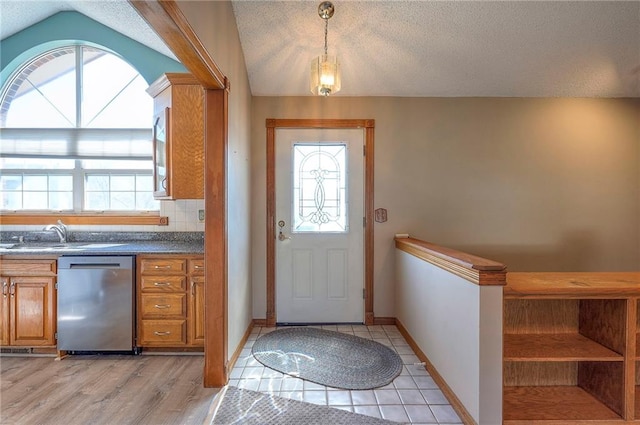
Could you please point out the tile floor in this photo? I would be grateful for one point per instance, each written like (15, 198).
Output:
(413, 397)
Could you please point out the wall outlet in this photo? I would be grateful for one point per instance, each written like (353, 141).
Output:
(201, 215)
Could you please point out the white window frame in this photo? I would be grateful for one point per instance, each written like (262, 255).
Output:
(32, 143)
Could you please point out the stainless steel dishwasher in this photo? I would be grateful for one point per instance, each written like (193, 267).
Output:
(95, 303)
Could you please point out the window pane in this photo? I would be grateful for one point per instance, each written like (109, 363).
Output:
(61, 183)
(319, 187)
(46, 89)
(115, 93)
(97, 183)
(11, 200)
(96, 201)
(145, 202)
(120, 183)
(36, 201)
(123, 201)
(144, 183)
(60, 200)
(34, 182)
(9, 182)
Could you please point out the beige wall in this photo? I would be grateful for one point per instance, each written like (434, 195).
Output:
(215, 25)
(539, 184)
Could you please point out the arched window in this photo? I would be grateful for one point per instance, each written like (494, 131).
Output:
(76, 134)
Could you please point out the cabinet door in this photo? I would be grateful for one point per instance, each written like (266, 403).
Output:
(196, 311)
(32, 321)
(161, 154)
(4, 311)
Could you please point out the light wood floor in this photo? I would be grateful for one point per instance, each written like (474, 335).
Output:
(104, 390)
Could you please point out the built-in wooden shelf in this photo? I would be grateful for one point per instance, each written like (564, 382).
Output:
(560, 404)
(571, 348)
(556, 347)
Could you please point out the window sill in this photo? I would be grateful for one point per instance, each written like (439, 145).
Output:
(153, 219)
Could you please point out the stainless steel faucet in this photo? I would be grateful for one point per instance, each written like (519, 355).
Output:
(60, 229)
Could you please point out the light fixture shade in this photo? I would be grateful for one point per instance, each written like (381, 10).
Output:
(325, 75)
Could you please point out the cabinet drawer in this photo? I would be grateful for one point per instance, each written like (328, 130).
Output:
(163, 332)
(164, 305)
(196, 266)
(28, 267)
(163, 283)
(162, 266)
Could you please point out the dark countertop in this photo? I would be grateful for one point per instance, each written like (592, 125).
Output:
(107, 243)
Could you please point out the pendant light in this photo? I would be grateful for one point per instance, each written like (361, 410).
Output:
(325, 69)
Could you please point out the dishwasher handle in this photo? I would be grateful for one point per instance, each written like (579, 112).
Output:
(95, 265)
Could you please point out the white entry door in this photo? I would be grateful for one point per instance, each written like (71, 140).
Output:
(319, 226)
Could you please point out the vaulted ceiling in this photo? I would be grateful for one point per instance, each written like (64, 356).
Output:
(414, 48)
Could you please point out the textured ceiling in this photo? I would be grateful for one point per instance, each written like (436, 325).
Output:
(447, 48)
(413, 48)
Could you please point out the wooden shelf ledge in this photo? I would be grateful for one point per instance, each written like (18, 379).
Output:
(560, 404)
(475, 269)
(572, 285)
(555, 348)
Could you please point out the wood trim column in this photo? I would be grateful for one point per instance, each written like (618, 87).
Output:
(271, 223)
(215, 246)
(369, 133)
(168, 21)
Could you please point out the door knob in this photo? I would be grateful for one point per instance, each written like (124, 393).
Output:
(281, 236)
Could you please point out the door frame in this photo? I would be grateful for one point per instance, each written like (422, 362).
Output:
(368, 125)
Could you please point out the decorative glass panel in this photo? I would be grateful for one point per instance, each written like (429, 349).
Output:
(319, 187)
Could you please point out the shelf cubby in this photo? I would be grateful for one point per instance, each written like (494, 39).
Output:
(565, 349)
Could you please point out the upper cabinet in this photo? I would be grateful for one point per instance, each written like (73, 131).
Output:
(178, 133)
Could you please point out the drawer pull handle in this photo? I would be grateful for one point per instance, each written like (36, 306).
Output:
(198, 267)
(162, 306)
(162, 333)
(161, 267)
(161, 283)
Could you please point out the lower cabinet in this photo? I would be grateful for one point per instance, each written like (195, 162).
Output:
(170, 300)
(28, 304)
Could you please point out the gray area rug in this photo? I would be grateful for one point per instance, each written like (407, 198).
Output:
(329, 358)
(238, 406)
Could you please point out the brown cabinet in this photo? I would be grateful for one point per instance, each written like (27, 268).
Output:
(178, 137)
(169, 293)
(28, 305)
(570, 348)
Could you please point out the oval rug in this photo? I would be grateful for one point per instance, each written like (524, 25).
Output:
(328, 358)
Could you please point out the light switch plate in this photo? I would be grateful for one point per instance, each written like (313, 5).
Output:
(201, 215)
